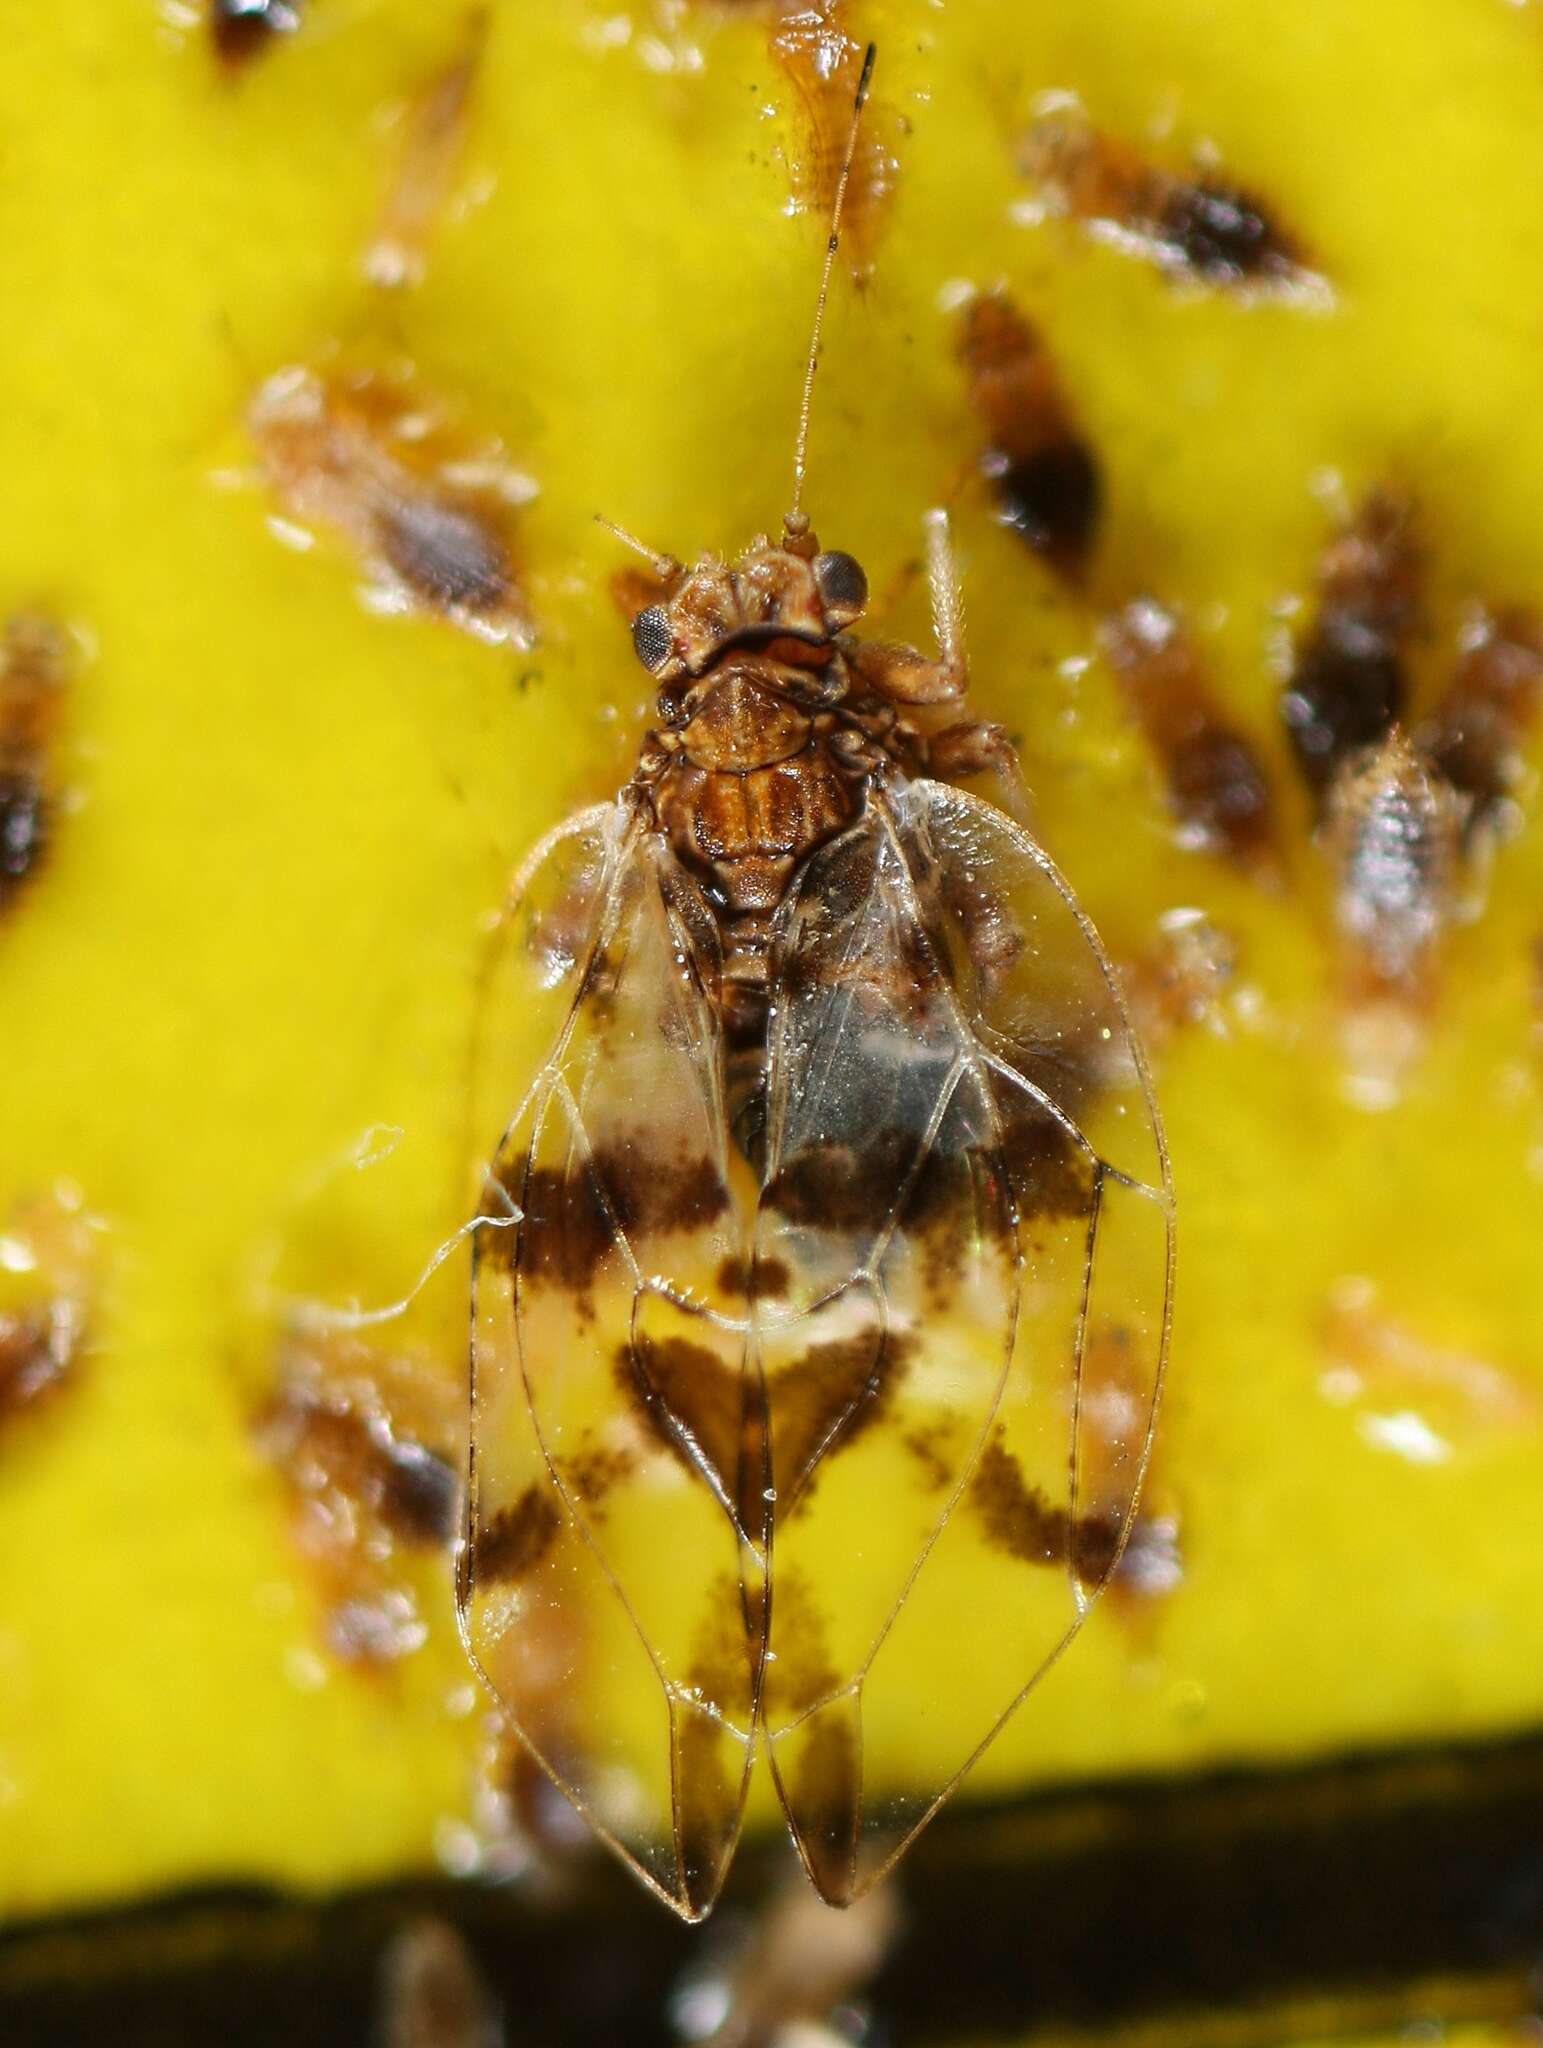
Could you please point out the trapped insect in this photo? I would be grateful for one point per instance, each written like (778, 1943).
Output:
(815, 1365)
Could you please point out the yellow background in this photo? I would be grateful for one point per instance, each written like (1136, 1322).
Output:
(258, 936)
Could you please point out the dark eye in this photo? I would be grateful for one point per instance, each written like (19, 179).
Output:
(841, 583)
(651, 637)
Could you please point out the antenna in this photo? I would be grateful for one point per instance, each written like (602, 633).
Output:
(664, 566)
(797, 521)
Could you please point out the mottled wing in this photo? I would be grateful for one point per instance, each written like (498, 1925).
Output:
(961, 1259)
(609, 1571)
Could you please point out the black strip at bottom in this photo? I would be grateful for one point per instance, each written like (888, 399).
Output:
(1237, 1908)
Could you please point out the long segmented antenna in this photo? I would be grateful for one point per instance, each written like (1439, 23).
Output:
(662, 565)
(796, 522)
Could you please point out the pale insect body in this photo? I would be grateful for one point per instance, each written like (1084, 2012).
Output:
(821, 1356)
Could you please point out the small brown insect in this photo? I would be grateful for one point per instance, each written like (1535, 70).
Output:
(432, 145)
(1474, 735)
(1178, 982)
(50, 1254)
(1349, 682)
(243, 29)
(1198, 228)
(33, 671)
(1217, 787)
(366, 1443)
(842, 1178)
(1043, 471)
(376, 460)
(1392, 834)
(810, 41)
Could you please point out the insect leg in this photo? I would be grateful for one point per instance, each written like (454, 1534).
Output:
(905, 675)
(979, 747)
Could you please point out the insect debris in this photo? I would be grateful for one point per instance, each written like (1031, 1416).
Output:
(372, 457)
(34, 668)
(1200, 228)
(243, 29)
(843, 1176)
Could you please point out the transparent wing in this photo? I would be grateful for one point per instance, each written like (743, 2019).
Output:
(962, 1253)
(611, 1587)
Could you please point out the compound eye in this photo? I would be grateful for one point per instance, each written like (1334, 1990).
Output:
(652, 639)
(841, 583)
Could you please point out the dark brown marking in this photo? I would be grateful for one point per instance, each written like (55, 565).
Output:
(926, 1448)
(742, 1279)
(826, 1794)
(515, 1540)
(1202, 228)
(848, 1192)
(824, 1401)
(728, 1646)
(692, 1403)
(1020, 1522)
(243, 29)
(801, 1673)
(1050, 1173)
(1217, 788)
(1043, 471)
(594, 1472)
(1349, 683)
(572, 1219)
(705, 1802)
(1474, 735)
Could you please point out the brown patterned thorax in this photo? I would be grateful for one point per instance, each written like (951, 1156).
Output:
(768, 735)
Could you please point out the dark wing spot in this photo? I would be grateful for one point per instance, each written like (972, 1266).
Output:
(593, 1473)
(516, 1539)
(1020, 1522)
(651, 1196)
(706, 1806)
(564, 1235)
(927, 1447)
(448, 555)
(572, 1218)
(691, 1403)
(1018, 1518)
(836, 1188)
(742, 1279)
(1050, 1174)
(802, 1672)
(825, 1400)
